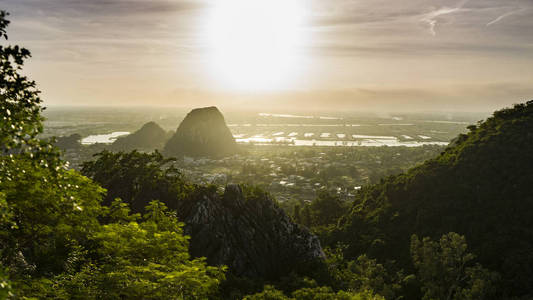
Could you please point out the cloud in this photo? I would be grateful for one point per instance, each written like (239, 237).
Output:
(499, 18)
(85, 45)
(431, 18)
(103, 7)
(419, 48)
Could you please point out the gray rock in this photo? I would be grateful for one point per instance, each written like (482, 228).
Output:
(253, 236)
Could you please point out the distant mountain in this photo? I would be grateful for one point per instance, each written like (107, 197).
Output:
(481, 186)
(203, 132)
(247, 232)
(148, 138)
(72, 141)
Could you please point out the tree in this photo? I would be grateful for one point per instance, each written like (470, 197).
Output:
(326, 209)
(312, 293)
(49, 215)
(447, 271)
(146, 260)
(297, 213)
(478, 186)
(326, 293)
(20, 108)
(306, 216)
(51, 238)
(45, 211)
(137, 178)
(364, 273)
(5, 286)
(269, 293)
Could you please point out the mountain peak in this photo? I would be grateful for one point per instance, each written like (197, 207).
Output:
(149, 137)
(203, 132)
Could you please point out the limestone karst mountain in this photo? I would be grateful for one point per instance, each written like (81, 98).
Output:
(149, 137)
(247, 232)
(203, 132)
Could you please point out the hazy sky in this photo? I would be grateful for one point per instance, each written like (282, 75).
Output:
(334, 54)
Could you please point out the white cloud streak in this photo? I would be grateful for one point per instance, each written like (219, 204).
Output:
(501, 17)
(431, 17)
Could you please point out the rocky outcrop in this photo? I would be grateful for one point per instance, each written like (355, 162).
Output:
(250, 234)
(149, 137)
(203, 132)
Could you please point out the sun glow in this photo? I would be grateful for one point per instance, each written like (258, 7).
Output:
(254, 43)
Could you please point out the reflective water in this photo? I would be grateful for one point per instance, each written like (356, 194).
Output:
(103, 138)
(393, 142)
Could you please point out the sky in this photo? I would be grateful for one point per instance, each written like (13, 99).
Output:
(474, 55)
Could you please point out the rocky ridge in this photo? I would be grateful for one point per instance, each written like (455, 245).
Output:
(249, 234)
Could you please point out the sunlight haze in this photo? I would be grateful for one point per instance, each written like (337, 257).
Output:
(409, 54)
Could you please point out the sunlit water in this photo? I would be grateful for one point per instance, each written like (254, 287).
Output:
(103, 138)
(392, 142)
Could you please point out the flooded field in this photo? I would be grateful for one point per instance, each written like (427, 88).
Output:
(98, 125)
(103, 138)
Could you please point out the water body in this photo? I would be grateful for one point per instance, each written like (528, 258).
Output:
(362, 136)
(297, 116)
(103, 138)
(361, 143)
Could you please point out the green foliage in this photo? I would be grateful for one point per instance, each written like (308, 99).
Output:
(147, 260)
(19, 99)
(364, 273)
(6, 291)
(326, 209)
(49, 214)
(326, 293)
(119, 212)
(6, 215)
(315, 293)
(51, 238)
(446, 270)
(137, 178)
(479, 187)
(269, 293)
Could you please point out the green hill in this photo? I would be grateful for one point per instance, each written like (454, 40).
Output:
(148, 138)
(480, 186)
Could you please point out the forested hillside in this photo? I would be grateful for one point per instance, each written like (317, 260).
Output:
(479, 187)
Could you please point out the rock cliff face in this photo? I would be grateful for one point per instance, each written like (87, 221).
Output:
(149, 137)
(250, 234)
(203, 132)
